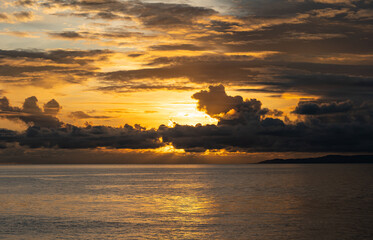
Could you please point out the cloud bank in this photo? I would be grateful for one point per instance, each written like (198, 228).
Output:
(243, 125)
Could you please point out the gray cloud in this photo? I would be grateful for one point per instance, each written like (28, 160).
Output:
(215, 101)
(196, 70)
(57, 56)
(31, 113)
(65, 66)
(273, 74)
(112, 34)
(135, 86)
(23, 15)
(3, 16)
(189, 47)
(90, 137)
(163, 15)
(72, 137)
(31, 105)
(67, 34)
(317, 107)
(52, 107)
(25, 3)
(5, 106)
(334, 86)
(83, 115)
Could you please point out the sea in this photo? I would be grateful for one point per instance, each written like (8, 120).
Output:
(252, 201)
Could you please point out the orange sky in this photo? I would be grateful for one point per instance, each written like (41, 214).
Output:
(112, 63)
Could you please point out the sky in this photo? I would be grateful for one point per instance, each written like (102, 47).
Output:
(184, 81)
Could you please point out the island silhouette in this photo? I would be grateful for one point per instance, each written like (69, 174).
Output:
(324, 159)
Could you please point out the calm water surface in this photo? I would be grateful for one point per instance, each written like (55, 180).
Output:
(186, 202)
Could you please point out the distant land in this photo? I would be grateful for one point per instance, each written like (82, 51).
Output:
(325, 159)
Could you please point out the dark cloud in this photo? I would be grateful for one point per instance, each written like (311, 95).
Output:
(83, 115)
(3, 16)
(109, 16)
(358, 44)
(5, 106)
(25, 3)
(323, 112)
(23, 15)
(334, 86)
(189, 47)
(274, 74)
(203, 59)
(282, 8)
(52, 107)
(80, 57)
(7, 135)
(115, 34)
(67, 34)
(248, 127)
(231, 110)
(31, 105)
(294, 27)
(40, 75)
(135, 55)
(197, 70)
(215, 101)
(31, 113)
(317, 108)
(136, 86)
(72, 137)
(309, 35)
(341, 70)
(163, 15)
(37, 67)
(23, 71)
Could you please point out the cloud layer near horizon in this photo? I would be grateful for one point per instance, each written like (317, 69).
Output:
(243, 126)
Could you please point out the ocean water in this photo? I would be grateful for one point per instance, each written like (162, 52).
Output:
(186, 202)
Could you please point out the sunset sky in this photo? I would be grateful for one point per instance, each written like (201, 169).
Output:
(184, 80)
